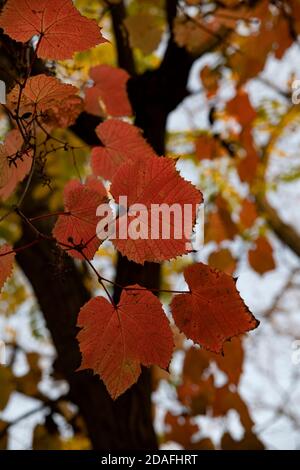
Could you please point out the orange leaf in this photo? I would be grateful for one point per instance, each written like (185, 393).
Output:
(223, 261)
(213, 311)
(180, 429)
(249, 442)
(248, 214)
(148, 182)
(209, 147)
(248, 165)
(116, 340)
(195, 34)
(241, 108)
(15, 163)
(6, 263)
(197, 396)
(210, 79)
(79, 223)
(261, 257)
(60, 26)
(232, 361)
(196, 361)
(226, 400)
(121, 142)
(55, 104)
(219, 225)
(108, 96)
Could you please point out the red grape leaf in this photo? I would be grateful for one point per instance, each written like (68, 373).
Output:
(15, 163)
(116, 340)
(121, 142)
(7, 257)
(108, 96)
(261, 257)
(62, 29)
(55, 104)
(213, 311)
(78, 225)
(148, 182)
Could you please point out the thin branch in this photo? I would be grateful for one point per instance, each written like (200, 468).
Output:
(22, 417)
(287, 285)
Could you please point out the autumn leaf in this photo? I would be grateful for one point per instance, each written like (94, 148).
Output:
(62, 30)
(213, 311)
(209, 147)
(222, 260)
(248, 214)
(231, 362)
(121, 142)
(249, 442)
(241, 108)
(219, 224)
(195, 34)
(193, 2)
(196, 362)
(28, 384)
(7, 386)
(77, 227)
(150, 182)
(144, 31)
(7, 257)
(210, 78)
(180, 429)
(3, 434)
(108, 96)
(45, 440)
(248, 165)
(15, 163)
(226, 400)
(261, 256)
(197, 396)
(53, 103)
(272, 36)
(231, 3)
(116, 340)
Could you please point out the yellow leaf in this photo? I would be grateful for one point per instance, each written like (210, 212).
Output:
(144, 32)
